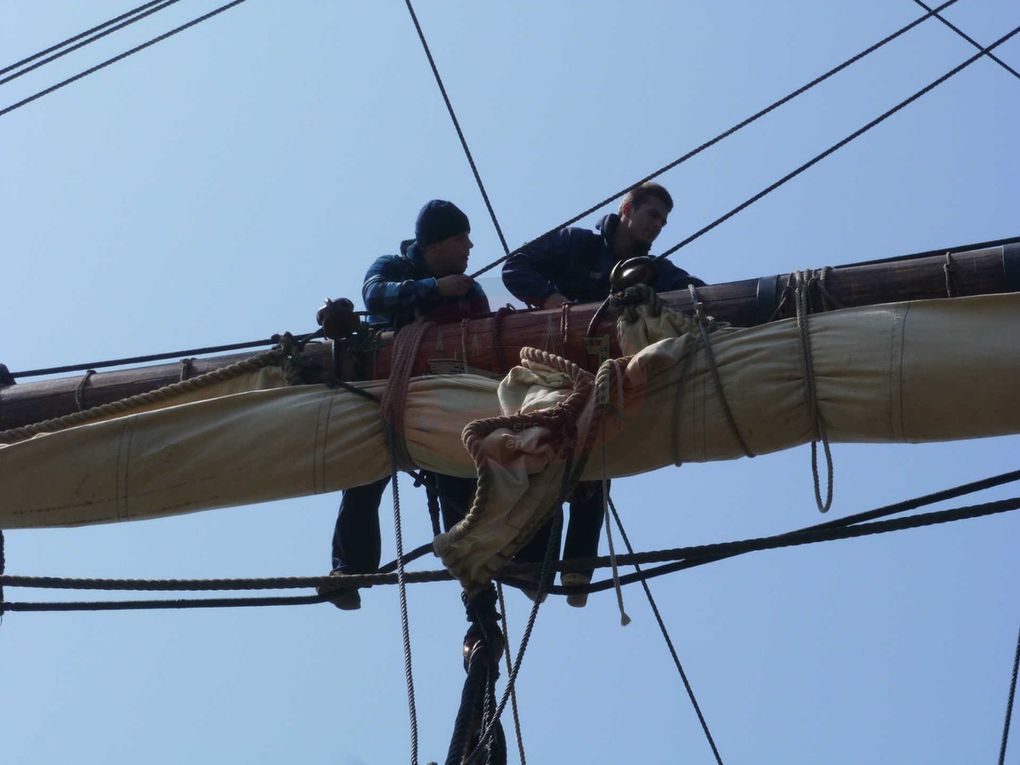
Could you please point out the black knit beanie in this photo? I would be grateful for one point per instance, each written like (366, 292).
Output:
(439, 220)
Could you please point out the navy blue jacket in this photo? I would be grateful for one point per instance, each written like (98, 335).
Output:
(400, 288)
(576, 262)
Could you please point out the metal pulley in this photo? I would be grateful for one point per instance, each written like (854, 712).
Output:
(627, 273)
(338, 319)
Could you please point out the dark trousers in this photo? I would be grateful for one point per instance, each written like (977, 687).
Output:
(583, 528)
(357, 541)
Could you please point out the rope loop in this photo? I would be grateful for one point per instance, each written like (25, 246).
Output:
(949, 270)
(705, 325)
(79, 392)
(803, 280)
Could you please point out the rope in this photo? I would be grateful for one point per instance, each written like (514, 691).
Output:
(456, 125)
(624, 619)
(509, 669)
(838, 145)
(79, 392)
(405, 629)
(83, 43)
(3, 565)
(666, 637)
(706, 341)
(155, 357)
(405, 350)
(971, 40)
(1009, 703)
(125, 54)
(267, 358)
(802, 288)
(726, 133)
(70, 40)
(948, 270)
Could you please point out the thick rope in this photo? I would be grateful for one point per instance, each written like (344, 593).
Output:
(726, 133)
(394, 399)
(1009, 703)
(838, 145)
(681, 558)
(265, 359)
(803, 283)
(405, 629)
(666, 637)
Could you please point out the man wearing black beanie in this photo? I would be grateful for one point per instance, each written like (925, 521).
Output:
(425, 280)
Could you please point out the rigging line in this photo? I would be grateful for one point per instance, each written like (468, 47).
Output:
(456, 125)
(690, 557)
(971, 40)
(726, 133)
(83, 43)
(506, 656)
(838, 145)
(683, 558)
(115, 59)
(1009, 703)
(155, 357)
(666, 636)
(78, 36)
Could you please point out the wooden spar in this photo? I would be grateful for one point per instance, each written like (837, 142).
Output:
(492, 345)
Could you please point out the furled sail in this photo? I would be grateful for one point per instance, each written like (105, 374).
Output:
(900, 372)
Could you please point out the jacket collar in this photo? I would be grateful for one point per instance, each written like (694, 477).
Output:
(413, 254)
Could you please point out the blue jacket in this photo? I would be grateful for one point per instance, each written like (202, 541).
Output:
(400, 288)
(576, 262)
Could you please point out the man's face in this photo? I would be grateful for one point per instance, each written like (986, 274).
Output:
(450, 255)
(645, 221)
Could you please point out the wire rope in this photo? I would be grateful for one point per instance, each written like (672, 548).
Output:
(83, 43)
(78, 36)
(119, 57)
(1009, 703)
(970, 39)
(730, 131)
(838, 145)
(456, 125)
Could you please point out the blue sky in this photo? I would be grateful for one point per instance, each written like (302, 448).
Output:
(217, 186)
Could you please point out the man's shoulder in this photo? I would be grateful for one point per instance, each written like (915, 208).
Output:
(388, 265)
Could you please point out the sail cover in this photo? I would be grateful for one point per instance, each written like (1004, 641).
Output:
(901, 372)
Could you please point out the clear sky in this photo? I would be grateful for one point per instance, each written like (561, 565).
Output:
(217, 186)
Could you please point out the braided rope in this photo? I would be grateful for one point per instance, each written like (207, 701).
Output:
(124, 405)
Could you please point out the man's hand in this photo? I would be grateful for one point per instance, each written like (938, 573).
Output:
(555, 300)
(454, 285)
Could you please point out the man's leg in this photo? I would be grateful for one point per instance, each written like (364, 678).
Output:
(583, 529)
(357, 546)
(455, 496)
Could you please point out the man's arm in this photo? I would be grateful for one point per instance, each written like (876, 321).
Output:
(670, 277)
(529, 274)
(386, 290)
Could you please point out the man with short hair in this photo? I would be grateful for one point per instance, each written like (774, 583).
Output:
(573, 264)
(425, 280)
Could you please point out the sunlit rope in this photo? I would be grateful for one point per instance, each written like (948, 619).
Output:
(115, 59)
(730, 131)
(83, 43)
(838, 145)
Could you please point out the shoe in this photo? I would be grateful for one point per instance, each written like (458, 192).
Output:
(576, 579)
(531, 590)
(344, 598)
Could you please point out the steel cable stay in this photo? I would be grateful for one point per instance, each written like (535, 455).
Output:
(969, 39)
(730, 131)
(674, 559)
(118, 57)
(69, 40)
(87, 41)
(838, 145)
